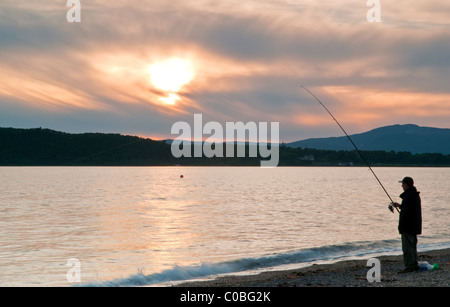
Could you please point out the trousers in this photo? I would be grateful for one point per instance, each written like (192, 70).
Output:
(409, 247)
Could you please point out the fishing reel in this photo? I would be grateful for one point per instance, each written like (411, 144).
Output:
(391, 208)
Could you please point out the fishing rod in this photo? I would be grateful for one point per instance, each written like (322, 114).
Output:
(359, 152)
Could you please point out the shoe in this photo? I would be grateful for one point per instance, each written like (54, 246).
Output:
(409, 270)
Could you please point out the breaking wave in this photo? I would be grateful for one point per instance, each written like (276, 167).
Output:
(304, 256)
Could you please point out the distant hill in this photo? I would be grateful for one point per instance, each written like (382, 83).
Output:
(48, 147)
(398, 138)
(45, 147)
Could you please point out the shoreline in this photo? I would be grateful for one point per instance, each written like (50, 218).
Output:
(347, 273)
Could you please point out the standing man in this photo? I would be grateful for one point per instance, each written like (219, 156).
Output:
(410, 223)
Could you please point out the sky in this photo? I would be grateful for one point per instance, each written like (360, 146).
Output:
(138, 67)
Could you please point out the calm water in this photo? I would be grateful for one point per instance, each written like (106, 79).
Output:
(145, 225)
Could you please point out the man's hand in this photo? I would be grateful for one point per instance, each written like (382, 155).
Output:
(394, 205)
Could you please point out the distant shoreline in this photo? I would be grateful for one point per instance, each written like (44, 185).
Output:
(349, 273)
(44, 147)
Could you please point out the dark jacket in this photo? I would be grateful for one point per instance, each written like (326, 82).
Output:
(410, 221)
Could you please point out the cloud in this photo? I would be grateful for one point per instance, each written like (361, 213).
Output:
(250, 58)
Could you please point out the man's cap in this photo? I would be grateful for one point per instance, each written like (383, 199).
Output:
(408, 180)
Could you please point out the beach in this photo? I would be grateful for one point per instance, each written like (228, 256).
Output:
(350, 273)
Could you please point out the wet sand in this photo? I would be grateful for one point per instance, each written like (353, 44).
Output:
(351, 273)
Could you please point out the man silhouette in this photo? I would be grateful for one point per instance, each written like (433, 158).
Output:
(410, 223)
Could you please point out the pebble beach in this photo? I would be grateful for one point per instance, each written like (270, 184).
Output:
(350, 273)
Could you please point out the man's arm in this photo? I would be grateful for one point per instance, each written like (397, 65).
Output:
(397, 205)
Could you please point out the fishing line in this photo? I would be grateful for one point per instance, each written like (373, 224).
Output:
(359, 152)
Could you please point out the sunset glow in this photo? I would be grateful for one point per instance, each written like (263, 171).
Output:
(171, 75)
(136, 67)
(171, 99)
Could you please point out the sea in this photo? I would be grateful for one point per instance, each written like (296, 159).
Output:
(156, 226)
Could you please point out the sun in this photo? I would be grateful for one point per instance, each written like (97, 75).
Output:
(171, 99)
(171, 75)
